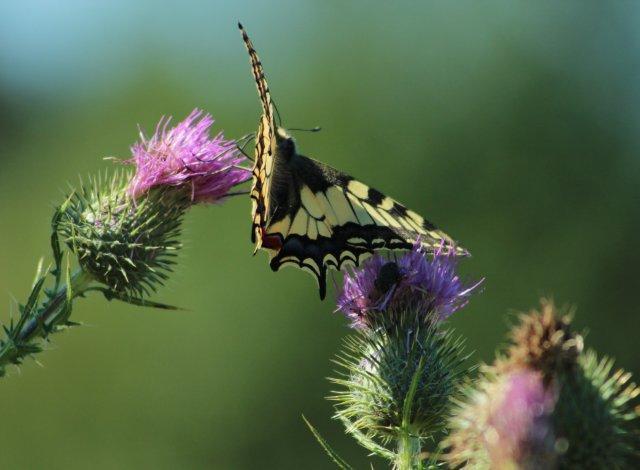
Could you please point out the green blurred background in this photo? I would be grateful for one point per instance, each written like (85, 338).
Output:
(512, 125)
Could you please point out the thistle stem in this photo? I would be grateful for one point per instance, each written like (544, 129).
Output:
(43, 321)
(408, 456)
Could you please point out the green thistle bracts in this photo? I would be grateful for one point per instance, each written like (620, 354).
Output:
(597, 416)
(398, 380)
(129, 247)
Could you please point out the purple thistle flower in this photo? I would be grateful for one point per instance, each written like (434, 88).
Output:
(186, 157)
(431, 287)
(518, 428)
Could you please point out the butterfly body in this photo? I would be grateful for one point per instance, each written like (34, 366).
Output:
(308, 214)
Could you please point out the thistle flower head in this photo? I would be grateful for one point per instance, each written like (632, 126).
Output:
(186, 157)
(413, 282)
(506, 423)
(400, 368)
(127, 247)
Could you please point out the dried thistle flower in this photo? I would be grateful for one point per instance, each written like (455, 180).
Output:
(544, 341)
(185, 157)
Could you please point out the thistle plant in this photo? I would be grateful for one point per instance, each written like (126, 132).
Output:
(547, 403)
(401, 366)
(404, 389)
(120, 234)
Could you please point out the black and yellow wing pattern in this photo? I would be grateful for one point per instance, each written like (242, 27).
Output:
(310, 215)
(264, 150)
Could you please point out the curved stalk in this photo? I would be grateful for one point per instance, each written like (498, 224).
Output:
(37, 322)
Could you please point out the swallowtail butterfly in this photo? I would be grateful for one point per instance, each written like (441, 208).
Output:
(310, 215)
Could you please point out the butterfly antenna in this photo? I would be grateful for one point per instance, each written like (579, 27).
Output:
(243, 141)
(275, 107)
(237, 193)
(313, 129)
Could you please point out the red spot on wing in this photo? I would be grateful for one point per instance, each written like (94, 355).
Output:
(271, 241)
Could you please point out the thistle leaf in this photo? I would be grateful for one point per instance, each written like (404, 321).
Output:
(365, 441)
(408, 400)
(29, 306)
(112, 294)
(339, 461)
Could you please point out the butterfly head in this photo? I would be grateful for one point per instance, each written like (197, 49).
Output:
(286, 146)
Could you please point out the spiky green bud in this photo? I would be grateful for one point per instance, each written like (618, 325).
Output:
(597, 416)
(397, 381)
(126, 245)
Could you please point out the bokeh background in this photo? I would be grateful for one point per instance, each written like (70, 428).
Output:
(512, 125)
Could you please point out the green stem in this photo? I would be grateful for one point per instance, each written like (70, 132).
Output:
(51, 313)
(408, 457)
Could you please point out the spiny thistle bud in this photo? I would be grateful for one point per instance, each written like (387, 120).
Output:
(401, 367)
(379, 370)
(590, 416)
(597, 417)
(128, 247)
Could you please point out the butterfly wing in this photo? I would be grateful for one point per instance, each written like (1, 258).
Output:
(264, 149)
(329, 219)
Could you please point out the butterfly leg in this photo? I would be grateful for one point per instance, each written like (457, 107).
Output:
(242, 142)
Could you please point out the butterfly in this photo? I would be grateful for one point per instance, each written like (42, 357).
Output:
(312, 216)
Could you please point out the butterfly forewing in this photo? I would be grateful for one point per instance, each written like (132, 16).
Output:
(264, 149)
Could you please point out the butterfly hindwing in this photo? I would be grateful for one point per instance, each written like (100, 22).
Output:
(333, 220)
